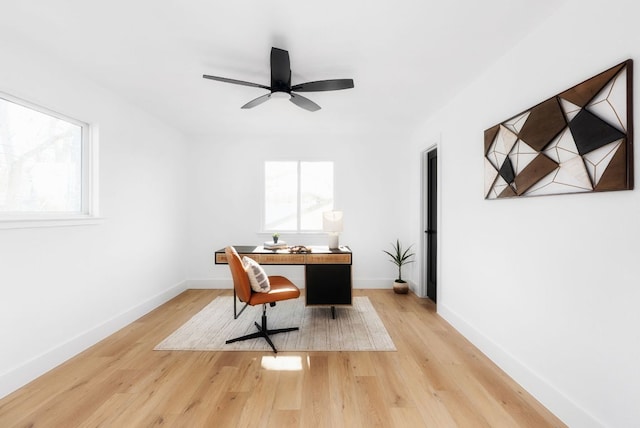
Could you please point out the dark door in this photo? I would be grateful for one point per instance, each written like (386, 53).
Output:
(432, 222)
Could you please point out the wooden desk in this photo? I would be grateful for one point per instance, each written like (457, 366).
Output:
(327, 272)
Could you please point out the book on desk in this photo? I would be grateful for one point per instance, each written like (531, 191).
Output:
(270, 245)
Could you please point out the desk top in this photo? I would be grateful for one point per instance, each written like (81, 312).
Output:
(318, 255)
(315, 249)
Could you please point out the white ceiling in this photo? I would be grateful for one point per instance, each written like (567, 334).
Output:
(406, 56)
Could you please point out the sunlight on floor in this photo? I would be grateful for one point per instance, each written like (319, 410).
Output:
(291, 363)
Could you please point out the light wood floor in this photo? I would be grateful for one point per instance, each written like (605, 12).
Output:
(435, 379)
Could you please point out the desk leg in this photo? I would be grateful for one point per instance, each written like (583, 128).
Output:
(333, 312)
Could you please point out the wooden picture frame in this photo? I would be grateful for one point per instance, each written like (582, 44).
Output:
(580, 140)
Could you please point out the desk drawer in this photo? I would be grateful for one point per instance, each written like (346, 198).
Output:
(221, 258)
(328, 259)
(281, 259)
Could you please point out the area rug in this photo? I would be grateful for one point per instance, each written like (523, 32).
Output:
(355, 328)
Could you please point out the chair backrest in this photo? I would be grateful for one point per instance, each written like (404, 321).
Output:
(240, 278)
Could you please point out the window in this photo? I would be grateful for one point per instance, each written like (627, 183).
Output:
(44, 164)
(296, 195)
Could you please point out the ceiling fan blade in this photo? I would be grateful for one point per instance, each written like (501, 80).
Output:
(257, 101)
(324, 85)
(234, 81)
(280, 70)
(303, 102)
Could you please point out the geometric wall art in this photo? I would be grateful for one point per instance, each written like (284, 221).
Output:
(580, 140)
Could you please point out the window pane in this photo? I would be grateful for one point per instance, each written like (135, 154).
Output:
(40, 161)
(292, 208)
(316, 193)
(281, 195)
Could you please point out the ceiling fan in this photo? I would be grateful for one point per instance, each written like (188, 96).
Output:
(281, 84)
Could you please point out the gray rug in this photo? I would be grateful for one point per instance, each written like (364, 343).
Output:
(356, 328)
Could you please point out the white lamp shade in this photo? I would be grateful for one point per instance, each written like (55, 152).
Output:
(332, 221)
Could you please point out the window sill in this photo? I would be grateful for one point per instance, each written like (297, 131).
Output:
(28, 223)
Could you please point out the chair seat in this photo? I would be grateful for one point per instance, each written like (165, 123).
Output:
(281, 289)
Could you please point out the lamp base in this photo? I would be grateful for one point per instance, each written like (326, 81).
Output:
(333, 241)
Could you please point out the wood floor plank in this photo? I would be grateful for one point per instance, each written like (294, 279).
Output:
(395, 391)
(228, 410)
(249, 366)
(434, 412)
(259, 405)
(342, 392)
(316, 396)
(407, 417)
(436, 378)
(285, 418)
(104, 416)
(289, 391)
(208, 394)
(371, 403)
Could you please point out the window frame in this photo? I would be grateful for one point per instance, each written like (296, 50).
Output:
(298, 230)
(88, 213)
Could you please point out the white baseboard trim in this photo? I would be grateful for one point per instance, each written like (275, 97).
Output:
(552, 398)
(374, 284)
(214, 284)
(37, 366)
(218, 284)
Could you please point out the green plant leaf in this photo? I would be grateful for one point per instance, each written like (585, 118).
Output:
(400, 257)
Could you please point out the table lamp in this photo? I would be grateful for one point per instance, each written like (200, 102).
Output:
(332, 223)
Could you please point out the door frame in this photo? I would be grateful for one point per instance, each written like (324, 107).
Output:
(423, 219)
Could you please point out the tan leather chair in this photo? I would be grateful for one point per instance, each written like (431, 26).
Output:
(281, 289)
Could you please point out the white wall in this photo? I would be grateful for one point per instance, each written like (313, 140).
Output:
(226, 185)
(64, 288)
(544, 286)
(547, 286)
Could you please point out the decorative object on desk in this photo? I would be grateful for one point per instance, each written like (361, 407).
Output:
(356, 328)
(275, 237)
(580, 140)
(300, 249)
(400, 258)
(280, 245)
(332, 223)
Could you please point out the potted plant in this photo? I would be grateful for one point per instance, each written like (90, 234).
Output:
(275, 237)
(400, 257)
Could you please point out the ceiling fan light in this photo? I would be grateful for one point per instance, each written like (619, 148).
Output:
(281, 95)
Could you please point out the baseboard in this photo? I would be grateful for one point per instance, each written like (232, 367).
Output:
(214, 284)
(226, 283)
(553, 399)
(375, 284)
(37, 366)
